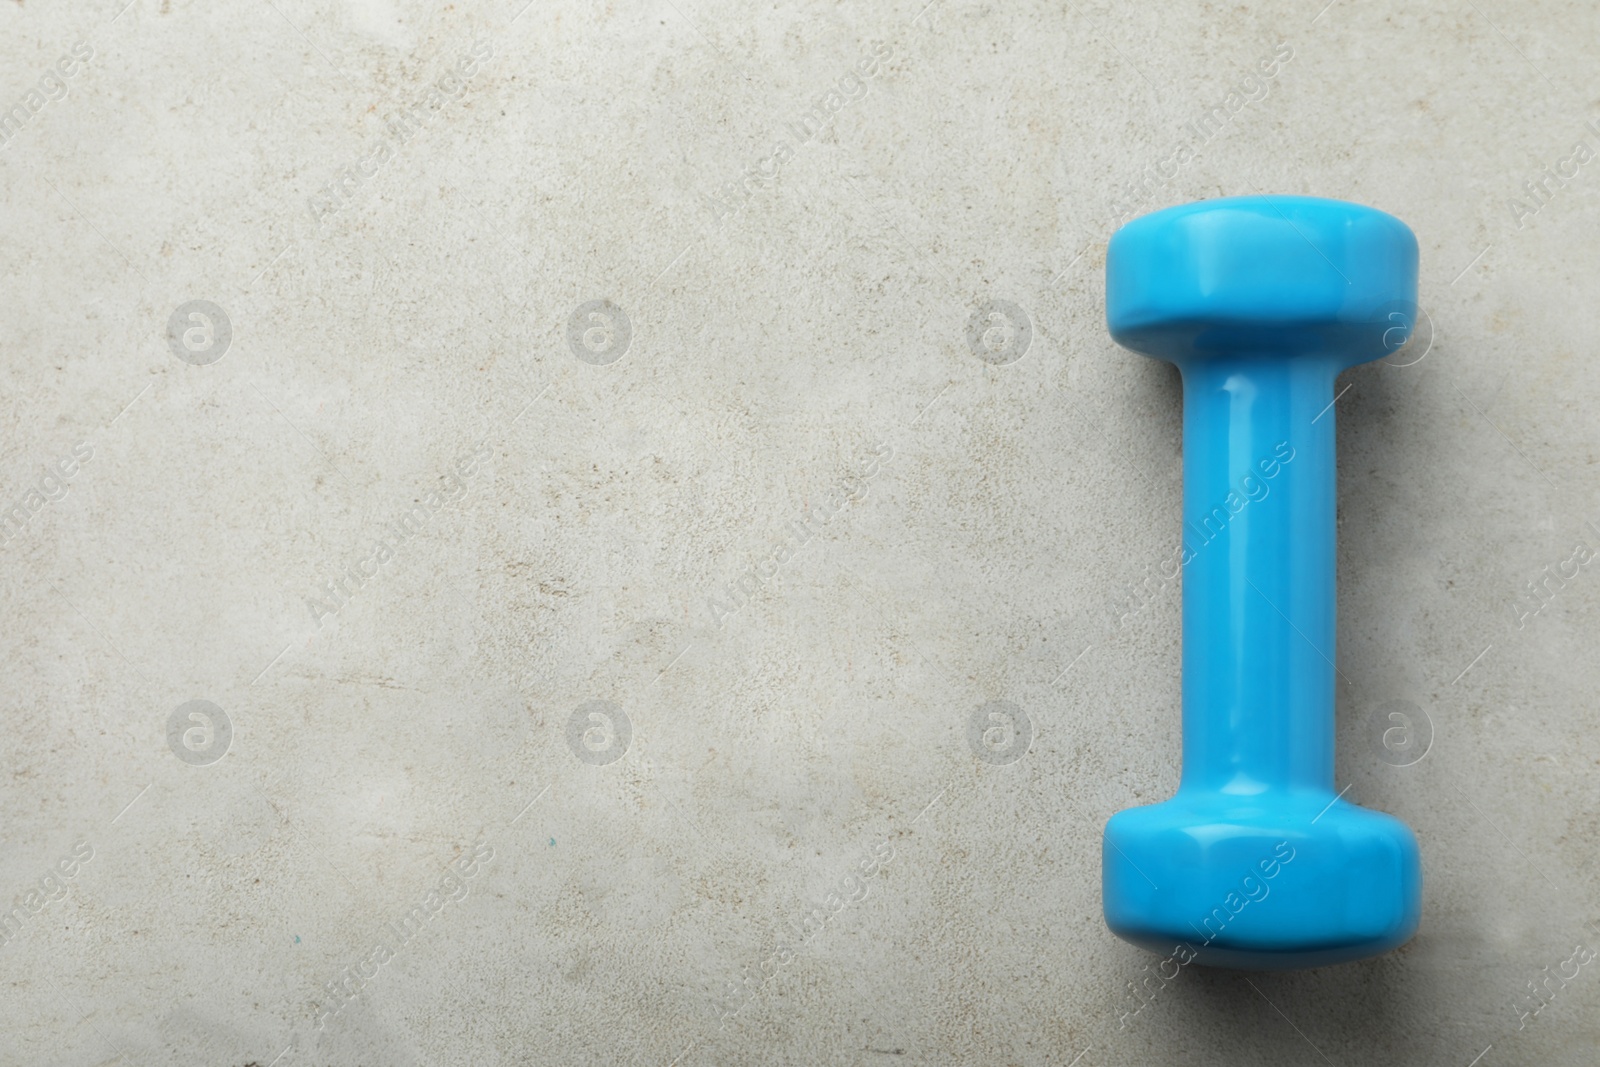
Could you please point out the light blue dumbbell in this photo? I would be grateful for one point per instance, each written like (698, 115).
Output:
(1261, 302)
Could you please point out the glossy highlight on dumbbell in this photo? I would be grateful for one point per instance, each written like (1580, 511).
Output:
(1257, 862)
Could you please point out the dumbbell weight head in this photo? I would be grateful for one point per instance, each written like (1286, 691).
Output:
(1274, 276)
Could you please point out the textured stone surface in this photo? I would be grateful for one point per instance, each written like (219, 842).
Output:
(907, 720)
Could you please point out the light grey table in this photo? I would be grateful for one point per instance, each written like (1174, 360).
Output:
(546, 533)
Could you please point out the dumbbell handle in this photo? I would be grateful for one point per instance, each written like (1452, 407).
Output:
(1258, 584)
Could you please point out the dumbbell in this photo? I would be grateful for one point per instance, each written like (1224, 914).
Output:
(1256, 862)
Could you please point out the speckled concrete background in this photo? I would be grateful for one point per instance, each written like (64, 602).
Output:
(545, 533)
